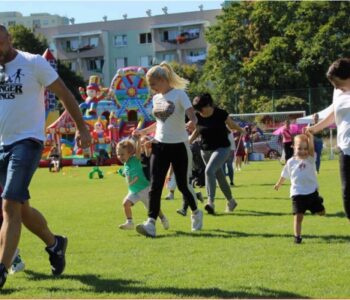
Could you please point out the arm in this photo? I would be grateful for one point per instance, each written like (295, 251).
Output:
(137, 147)
(71, 105)
(145, 131)
(193, 136)
(191, 124)
(327, 121)
(311, 143)
(233, 125)
(279, 183)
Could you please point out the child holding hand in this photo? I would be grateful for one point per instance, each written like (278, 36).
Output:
(128, 153)
(301, 171)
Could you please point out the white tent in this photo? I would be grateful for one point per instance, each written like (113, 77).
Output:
(321, 115)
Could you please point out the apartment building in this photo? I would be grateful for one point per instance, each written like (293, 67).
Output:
(33, 21)
(101, 48)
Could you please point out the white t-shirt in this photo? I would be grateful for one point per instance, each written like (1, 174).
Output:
(341, 106)
(169, 110)
(22, 106)
(302, 175)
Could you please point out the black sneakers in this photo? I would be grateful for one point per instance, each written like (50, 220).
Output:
(57, 255)
(3, 275)
(297, 239)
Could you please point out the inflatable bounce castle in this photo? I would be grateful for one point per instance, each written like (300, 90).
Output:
(110, 113)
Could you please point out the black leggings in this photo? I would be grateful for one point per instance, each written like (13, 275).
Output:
(180, 157)
(288, 150)
(344, 163)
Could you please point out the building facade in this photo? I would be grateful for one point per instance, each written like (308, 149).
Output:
(33, 21)
(101, 48)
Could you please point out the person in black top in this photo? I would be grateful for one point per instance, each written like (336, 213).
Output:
(318, 143)
(215, 147)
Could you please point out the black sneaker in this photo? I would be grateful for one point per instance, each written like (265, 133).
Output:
(182, 212)
(3, 275)
(210, 209)
(57, 256)
(297, 239)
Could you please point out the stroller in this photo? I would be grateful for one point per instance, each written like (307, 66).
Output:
(198, 166)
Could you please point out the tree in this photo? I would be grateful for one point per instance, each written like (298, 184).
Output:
(260, 46)
(25, 40)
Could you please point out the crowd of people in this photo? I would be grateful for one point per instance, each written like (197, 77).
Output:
(147, 160)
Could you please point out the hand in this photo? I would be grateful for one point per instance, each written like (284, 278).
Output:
(277, 186)
(136, 133)
(190, 126)
(83, 138)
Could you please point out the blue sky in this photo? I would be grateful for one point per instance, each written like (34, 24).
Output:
(94, 10)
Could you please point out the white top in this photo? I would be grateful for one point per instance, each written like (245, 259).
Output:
(341, 106)
(22, 105)
(302, 175)
(169, 110)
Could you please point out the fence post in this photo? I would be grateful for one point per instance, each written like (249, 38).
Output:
(309, 99)
(273, 100)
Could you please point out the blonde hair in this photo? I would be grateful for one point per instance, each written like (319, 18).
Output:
(165, 71)
(127, 144)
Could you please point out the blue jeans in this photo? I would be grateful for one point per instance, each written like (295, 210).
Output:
(214, 160)
(318, 145)
(228, 165)
(18, 163)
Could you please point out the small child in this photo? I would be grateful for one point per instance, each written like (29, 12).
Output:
(128, 153)
(303, 190)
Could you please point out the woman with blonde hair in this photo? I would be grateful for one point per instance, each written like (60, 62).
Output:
(170, 145)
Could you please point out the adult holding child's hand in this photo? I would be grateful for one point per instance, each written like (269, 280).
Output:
(339, 75)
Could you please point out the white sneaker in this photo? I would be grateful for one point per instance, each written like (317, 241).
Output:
(197, 221)
(127, 225)
(231, 205)
(165, 223)
(17, 264)
(148, 228)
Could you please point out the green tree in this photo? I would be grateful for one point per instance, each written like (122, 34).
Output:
(268, 45)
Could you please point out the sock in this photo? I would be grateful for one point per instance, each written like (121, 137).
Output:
(195, 211)
(129, 220)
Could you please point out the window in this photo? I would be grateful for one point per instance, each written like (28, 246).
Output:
(11, 23)
(72, 45)
(145, 38)
(45, 22)
(36, 24)
(121, 40)
(95, 64)
(169, 57)
(93, 41)
(121, 62)
(170, 35)
(146, 61)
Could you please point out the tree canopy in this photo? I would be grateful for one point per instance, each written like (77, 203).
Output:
(259, 46)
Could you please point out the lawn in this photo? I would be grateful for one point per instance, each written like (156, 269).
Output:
(247, 254)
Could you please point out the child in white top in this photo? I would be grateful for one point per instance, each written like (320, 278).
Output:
(301, 171)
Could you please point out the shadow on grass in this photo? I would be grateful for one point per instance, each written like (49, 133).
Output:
(135, 288)
(218, 233)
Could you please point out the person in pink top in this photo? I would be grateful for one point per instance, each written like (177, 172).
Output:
(287, 140)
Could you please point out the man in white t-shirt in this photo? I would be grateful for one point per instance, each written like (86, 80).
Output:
(23, 79)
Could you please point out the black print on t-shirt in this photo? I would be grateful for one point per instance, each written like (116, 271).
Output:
(10, 86)
(163, 110)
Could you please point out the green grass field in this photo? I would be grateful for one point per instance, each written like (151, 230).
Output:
(247, 254)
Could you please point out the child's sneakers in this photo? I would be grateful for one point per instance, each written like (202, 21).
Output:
(165, 223)
(127, 225)
(147, 228)
(298, 239)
